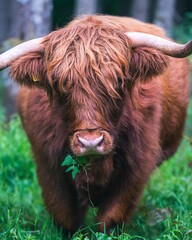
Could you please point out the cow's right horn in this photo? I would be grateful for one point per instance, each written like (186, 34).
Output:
(34, 45)
(166, 46)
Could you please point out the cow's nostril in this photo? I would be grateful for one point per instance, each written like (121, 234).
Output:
(101, 142)
(91, 143)
(80, 143)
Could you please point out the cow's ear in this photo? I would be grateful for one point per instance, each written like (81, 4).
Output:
(145, 63)
(29, 70)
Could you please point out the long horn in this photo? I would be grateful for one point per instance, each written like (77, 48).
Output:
(167, 47)
(34, 45)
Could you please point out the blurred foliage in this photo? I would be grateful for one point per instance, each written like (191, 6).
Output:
(62, 12)
(115, 7)
(183, 32)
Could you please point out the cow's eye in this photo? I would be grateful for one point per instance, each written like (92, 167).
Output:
(119, 84)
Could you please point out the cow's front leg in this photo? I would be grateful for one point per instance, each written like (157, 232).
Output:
(119, 207)
(60, 196)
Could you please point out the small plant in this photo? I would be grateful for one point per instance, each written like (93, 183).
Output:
(73, 165)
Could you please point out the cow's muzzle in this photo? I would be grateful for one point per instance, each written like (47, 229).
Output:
(91, 142)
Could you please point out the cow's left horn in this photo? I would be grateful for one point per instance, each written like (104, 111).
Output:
(34, 45)
(166, 46)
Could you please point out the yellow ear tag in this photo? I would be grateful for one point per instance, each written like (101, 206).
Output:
(35, 78)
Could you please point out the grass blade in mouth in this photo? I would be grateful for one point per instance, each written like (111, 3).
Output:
(73, 165)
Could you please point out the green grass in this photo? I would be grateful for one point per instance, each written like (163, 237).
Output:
(165, 211)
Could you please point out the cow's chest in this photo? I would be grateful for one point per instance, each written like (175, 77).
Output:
(93, 182)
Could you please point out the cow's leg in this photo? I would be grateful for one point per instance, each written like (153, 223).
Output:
(118, 210)
(119, 207)
(60, 197)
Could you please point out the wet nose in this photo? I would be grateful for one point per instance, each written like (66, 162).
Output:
(90, 143)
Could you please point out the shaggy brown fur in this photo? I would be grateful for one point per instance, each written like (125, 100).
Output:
(88, 82)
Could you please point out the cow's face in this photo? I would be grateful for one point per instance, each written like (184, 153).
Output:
(87, 71)
(91, 116)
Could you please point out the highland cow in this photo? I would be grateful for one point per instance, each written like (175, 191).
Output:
(111, 89)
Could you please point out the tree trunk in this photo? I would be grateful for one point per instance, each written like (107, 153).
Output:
(10, 88)
(26, 19)
(164, 16)
(30, 18)
(85, 7)
(3, 20)
(140, 10)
